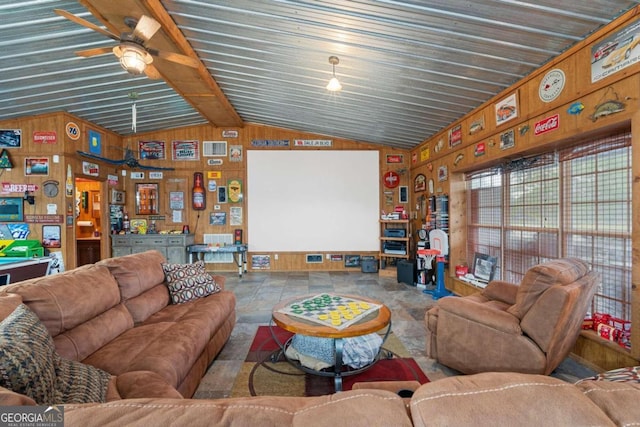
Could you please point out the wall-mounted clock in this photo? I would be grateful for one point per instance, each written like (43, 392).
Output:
(51, 188)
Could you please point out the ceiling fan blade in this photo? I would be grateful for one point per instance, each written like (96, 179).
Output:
(152, 72)
(146, 28)
(85, 23)
(175, 57)
(94, 52)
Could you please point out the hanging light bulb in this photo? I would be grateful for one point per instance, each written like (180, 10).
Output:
(334, 84)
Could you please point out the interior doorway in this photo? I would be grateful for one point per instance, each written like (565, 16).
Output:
(90, 221)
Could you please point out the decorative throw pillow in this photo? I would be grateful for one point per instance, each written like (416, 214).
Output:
(79, 383)
(187, 282)
(27, 356)
(627, 374)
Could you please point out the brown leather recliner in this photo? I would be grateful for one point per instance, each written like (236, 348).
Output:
(528, 328)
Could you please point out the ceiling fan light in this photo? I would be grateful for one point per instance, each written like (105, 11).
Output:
(334, 84)
(133, 58)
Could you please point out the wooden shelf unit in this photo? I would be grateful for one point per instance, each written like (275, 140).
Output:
(387, 224)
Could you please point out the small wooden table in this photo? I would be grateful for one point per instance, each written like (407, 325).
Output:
(374, 322)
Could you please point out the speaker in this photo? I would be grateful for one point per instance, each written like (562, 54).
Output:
(406, 270)
(237, 236)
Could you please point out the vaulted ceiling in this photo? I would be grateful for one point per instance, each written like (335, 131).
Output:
(408, 68)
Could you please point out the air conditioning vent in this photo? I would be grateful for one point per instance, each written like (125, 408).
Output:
(214, 148)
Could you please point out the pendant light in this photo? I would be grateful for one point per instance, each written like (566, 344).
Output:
(334, 84)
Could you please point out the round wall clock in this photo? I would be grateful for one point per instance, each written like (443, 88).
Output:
(50, 188)
(551, 85)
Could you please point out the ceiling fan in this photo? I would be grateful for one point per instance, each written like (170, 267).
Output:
(134, 56)
(129, 160)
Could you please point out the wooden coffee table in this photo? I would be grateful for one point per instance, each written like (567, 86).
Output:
(373, 322)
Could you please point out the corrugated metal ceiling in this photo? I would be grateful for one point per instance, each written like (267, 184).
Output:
(408, 68)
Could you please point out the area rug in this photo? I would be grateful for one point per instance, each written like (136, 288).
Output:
(262, 376)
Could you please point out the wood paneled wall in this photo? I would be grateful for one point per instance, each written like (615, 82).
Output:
(623, 86)
(425, 159)
(63, 149)
(181, 179)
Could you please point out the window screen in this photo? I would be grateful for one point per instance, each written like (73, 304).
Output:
(571, 203)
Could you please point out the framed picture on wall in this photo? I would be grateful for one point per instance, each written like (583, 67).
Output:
(117, 197)
(260, 262)
(218, 218)
(507, 139)
(36, 166)
(403, 194)
(419, 183)
(147, 199)
(51, 236)
(11, 209)
(443, 173)
(10, 138)
(222, 194)
(506, 109)
(352, 260)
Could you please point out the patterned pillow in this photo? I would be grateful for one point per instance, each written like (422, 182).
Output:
(187, 282)
(27, 356)
(79, 383)
(627, 374)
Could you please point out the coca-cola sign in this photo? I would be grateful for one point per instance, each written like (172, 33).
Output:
(391, 179)
(547, 125)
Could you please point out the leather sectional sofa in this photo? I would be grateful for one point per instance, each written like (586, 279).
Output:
(493, 399)
(116, 315)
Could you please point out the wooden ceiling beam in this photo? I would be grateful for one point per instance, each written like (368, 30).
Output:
(183, 79)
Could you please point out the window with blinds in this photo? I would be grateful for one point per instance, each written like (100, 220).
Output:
(571, 203)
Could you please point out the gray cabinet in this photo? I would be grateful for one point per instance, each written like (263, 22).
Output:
(172, 246)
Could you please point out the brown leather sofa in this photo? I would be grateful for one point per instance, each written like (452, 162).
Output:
(83, 308)
(492, 399)
(528, 328)
(513, 399)
(115, 315)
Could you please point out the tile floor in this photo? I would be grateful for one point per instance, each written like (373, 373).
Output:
(258, 292)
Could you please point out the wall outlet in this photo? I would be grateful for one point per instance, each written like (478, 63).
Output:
(275, 257)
